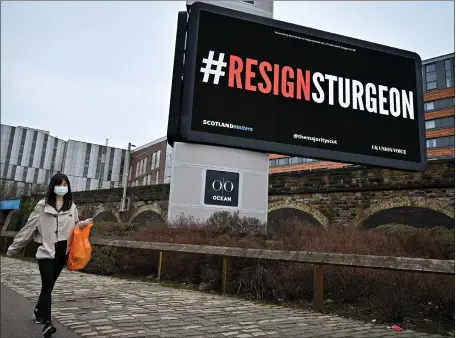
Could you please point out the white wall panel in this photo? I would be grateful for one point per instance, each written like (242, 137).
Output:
(4, 138)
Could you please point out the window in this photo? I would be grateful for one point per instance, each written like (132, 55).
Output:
(430, 68)
(439, 104)
(158, 159)
(32, 152)
(145, 165)
(289, 160)
(88, 184)
(43, 152)
(431, 143)
(284, 161)
(444, 122)
(429, 106)
(35, 176)
(137, 169)
(144, 180)
(448, 79)
(430, 124)
(440, 142)
(24, 174)
(431, 77)
(153, 161)
(149, 179)
(157, 174)
(13, 172)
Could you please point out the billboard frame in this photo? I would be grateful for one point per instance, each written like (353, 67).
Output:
(175, 102)
(190, 67)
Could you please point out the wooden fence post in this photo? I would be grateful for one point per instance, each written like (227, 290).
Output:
(162, 260)
(226, 274)
(5, 246)
(318, 287)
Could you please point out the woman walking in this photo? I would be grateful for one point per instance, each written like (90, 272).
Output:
(51, 225)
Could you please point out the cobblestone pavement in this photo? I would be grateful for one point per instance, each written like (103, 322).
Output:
(97, 306)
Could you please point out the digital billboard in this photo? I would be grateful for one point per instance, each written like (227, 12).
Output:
(255, 83)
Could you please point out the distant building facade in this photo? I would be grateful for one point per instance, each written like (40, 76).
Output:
(30, 157)
(151, 163)
(438, 87)
(91, 166)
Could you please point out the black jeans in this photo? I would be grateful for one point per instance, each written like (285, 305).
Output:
(50, 270)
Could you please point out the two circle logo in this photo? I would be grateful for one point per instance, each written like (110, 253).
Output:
(223, 186)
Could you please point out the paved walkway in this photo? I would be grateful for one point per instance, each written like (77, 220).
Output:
(97, 306)
(17, 317)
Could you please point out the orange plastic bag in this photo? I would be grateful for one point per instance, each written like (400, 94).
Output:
(81, 250)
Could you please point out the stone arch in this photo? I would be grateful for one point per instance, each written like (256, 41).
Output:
(390, 203)
(112, 212)
(319, 217)
(146, 208)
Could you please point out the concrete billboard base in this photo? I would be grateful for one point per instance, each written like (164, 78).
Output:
(207, 179)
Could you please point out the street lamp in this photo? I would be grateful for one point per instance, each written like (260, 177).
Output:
(126, 174)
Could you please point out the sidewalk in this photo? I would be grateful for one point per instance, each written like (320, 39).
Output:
(98, 306)
(17, 320)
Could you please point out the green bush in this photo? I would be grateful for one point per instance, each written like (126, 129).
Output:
(105, 261)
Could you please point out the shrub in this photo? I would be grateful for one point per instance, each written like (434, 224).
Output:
(105, 261)
(108, 230)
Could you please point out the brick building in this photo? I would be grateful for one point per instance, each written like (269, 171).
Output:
(438, 87)
(150, 163)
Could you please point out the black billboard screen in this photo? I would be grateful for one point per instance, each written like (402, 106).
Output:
(265, 85)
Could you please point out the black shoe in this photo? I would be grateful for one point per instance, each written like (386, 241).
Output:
(37, 316)
(49, 329)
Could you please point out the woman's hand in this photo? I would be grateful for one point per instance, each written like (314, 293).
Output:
(85, 223)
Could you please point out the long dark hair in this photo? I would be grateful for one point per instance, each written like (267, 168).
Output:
(57, 179)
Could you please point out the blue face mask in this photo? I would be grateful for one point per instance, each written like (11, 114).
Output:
(61, 191)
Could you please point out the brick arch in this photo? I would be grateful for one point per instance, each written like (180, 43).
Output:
(148, 207)
(322, 219)
(390, 203)
(114, 212)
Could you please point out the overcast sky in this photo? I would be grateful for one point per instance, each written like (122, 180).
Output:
(93, 71)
